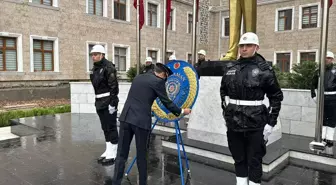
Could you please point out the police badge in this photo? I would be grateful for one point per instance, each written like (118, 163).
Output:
(182, 88)
(255, 72)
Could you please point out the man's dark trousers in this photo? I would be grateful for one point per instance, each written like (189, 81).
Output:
(247, 149)
(141, 141)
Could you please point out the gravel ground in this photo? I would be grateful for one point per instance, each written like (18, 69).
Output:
(39, 103)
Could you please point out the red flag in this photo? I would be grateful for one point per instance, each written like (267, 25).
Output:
(330, 3)
(141, 12)
(197, 5)
(168, 10)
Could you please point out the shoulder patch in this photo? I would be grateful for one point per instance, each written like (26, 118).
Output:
(264, 66)
(231, 64)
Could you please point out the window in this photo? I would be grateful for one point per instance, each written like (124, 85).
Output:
(153, 54)
(90, 56)
(95, 7)
(307, 56)
(8, 54)
(120, 9)
(120, 58)
(43, 55)
(168, 54)
(309, 17)
(189, 58)
(152, 15)
(283, 61)
(43, 2)
(225, 26)
(190, 23)
(285, 19)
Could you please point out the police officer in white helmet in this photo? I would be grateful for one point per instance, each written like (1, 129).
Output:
(329, 120)
(249, 122)
(149, 66)
(172, 57)
(104, 81)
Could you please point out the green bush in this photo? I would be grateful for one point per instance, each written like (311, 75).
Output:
(132, 72)
(5, 117)
(300, 78)
(302, 75)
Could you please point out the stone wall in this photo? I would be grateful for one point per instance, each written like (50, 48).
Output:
(297, 116)
(83, 97)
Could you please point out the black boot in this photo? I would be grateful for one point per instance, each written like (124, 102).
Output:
(106, 162)
(100, 159)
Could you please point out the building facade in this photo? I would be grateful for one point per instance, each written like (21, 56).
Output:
(289, 31)
(50, 40)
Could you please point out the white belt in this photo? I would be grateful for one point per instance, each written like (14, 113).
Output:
(330, 93)
(245, 102)
(103, 95)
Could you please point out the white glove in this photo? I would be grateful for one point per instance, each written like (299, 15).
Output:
(267, 131)
(112, 109)
(315, 99)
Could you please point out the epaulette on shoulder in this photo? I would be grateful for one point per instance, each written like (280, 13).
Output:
(264, 66)
(231, 64)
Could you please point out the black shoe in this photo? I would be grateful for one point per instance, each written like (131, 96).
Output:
(100, 159)
(329, 143)
(107, 161)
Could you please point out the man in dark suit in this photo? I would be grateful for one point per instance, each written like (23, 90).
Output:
(135, 119)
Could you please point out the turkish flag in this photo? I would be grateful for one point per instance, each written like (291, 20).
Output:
(141, 12)
(330, 3)
(168, 10)
(197, 5)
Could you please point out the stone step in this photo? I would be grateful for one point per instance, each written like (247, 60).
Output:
(5, 134)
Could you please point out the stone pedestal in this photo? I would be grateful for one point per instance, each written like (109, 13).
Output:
(206, 122)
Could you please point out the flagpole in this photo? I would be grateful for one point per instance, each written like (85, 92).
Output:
(164, 32)
(193, 47)
(138, 50)
(317, 144)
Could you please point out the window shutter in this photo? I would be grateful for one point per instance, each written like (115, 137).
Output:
(91, 5)
(122, 63)
(11, 60)
(47, 2)
(99, 7)
(48, 63)
(37, 61)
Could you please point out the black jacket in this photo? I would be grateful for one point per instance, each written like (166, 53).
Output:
(329, 82)
(250, 79)
(148, 69)
(144, 90)
(104, 79)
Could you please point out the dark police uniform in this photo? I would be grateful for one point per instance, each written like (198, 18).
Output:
(135, 119)
(246, 82)
(104, 81)
(329, 119)
(148, 68)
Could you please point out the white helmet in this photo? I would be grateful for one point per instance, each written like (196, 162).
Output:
(98, 49)
(330, 54)
(149, 59)
(172, 57)
(249, 38)
(202, 52)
